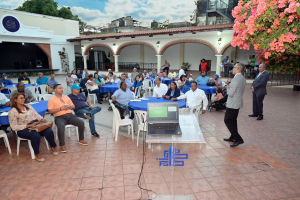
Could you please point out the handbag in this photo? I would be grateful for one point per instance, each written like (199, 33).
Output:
(41, 126)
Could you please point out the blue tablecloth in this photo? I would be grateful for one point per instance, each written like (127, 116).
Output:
(40, 108)
(166, 81)
(5, 91)
(111, 88)
(142, 105)
(205, 88)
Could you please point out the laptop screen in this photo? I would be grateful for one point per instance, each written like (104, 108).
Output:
(162, 112)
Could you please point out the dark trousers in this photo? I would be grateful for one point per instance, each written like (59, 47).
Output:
(62, 121)
(35, 138)
(226, 70)
(166, 69)
(258, 104)
(97, 92)
(85, 92)
(230, 120)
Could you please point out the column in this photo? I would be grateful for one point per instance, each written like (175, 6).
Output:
(181, 54)
(116, 63)
(233, 53)
(219, 61)
(85, 61)
(158, 62)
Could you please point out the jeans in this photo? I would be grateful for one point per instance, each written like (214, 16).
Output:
(80, 112)
(97, 92)
(35, 138)
(62, 121)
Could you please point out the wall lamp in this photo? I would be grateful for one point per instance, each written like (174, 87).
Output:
(220, 41)
(158, 44)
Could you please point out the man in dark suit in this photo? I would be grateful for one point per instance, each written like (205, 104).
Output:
(259, 91)
(234, 103)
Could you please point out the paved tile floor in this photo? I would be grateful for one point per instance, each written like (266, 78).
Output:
(266, 166)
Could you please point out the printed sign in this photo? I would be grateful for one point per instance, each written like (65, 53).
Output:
(11, 24)
(172, 157)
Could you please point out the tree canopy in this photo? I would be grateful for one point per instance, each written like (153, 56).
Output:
(272, 27)
(50, 7)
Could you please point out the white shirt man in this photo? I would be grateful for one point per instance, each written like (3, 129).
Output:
(181, 72)
(160, 88)
(194, 97)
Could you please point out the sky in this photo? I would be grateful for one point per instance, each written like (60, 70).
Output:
(102, 12)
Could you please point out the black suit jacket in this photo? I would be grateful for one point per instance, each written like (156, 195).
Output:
(176, 93)
(260, 83)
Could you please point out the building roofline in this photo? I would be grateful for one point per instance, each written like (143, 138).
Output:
(192, 29)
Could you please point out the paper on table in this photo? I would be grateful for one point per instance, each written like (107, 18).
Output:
(33, 103)
(135, 100)
(4, 114)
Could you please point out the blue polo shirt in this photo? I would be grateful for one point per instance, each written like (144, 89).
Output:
(78, 101)
(51, 83)
(42, 81)
(7, 82)
(202, 81)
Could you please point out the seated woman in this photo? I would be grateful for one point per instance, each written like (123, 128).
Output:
(21, 117)
(110, 76)
(98, 80)
(137, 83)
(74, 76)
(93, 88)
(217, 101)
(181, 81)
(173, 91)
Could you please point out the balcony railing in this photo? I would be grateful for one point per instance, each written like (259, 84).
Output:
(284, 79)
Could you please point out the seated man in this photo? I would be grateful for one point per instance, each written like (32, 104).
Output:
(61, 106)
(121, 99)
(2, 87)
(24, 78)
(194, 97)
(123, 79)
(217, 81)
(28, 94)
(129, 78)
(83, 84)
(51, 83)
(160, 88)
(84, 108)
(79, 76)
(85, 73)
(153, 74)
(5, 80)
(70, 80)
(41, 80)
(161, 74)
(203, 79)
(3, 97)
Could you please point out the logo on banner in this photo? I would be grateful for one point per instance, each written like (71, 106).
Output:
(172, 157)
(11, 24)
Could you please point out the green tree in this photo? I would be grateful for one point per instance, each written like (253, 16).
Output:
(50, 7)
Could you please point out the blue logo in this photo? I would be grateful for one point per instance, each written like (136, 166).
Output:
(171, 157)
(11, 24)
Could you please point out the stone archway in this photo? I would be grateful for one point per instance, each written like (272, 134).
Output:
(165, 47)
(135, 43)
(224, 48)
(86, 52)
(47, 50)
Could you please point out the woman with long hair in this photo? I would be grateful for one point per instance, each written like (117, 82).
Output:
(93, 88)
(22, 117)
(181, 81)
(98, 80)
(137, 83)
(173, 91)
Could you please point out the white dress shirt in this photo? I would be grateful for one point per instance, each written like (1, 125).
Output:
(181, 72)
(195, 98)
(161, 90)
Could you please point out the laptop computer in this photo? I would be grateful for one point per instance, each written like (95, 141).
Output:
(163, 118)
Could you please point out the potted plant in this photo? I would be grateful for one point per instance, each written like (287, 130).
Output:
(187, 65)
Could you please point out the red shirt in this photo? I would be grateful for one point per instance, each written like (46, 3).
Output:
(203, 66)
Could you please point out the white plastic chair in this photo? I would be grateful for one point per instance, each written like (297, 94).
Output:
(146, 86)
(42, 88)
(120, 122)
(29, 145)
(6, 142)
(196, 110)
(93, 95)
(11, 89)
(141, 117)
(68, 126)
(46, 97)
(33, 90)
(137, 91)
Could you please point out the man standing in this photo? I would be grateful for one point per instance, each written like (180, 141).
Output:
(259, 91)
(194, 97)
(235, 101)
(166, 66)
(160, 88)
(28, 94)
(181, 72)
(61, 106)
(51, 83)
(84, 108)
(24, 78)
(203, 79)
(70, 80)
(226, 65)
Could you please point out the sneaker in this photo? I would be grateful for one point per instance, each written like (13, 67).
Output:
(95, 134)
(88, 115)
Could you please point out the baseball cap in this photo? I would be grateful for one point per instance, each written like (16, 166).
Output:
(4, 74)
(216, 75)
(75, 86)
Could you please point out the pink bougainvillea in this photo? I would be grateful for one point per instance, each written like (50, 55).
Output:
(271, 26)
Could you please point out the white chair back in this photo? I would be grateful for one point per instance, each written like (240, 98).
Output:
(137, 91)
(43, 89)
(46, 97)
(141, 117)
(11, 89)
(116, 113)
(177, 84)
(146, 84)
